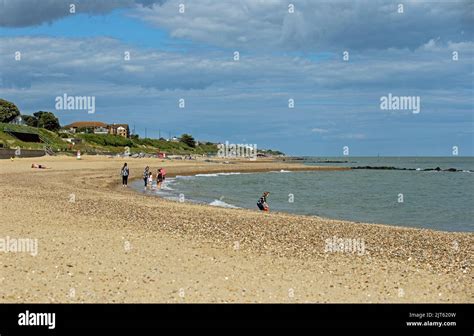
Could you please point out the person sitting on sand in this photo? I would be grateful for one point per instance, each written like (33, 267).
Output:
(39, 166)
(145, 175)
(125, 172)
(262, 202)
(159, 178)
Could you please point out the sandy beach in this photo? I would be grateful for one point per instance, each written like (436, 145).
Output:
(99, 242)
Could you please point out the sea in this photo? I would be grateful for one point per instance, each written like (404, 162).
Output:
(439, 200)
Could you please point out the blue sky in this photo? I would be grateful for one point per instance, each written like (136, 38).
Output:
(283, 56)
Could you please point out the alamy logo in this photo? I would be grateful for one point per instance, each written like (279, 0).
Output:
(37, 319)
(345, 245)
(409, 103)
(227, 150)
(17, 245)
(66, 102)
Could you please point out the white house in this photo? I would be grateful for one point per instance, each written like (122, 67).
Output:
(18, 121)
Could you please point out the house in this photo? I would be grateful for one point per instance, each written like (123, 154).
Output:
(119, 129)
(18, 120)
(97, 127)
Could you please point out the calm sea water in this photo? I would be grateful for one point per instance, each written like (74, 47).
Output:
(434, 200)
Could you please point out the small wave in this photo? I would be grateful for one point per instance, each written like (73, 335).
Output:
(222, 204)
(184, 177)
(280, 171)
(171, 198)
(162, 193)
(217, 174)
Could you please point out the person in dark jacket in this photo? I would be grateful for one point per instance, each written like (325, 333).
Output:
(262, 202)
(159, 179)
(145, 175)
(125, 172)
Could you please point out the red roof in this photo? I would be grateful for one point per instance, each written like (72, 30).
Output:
(80, 124)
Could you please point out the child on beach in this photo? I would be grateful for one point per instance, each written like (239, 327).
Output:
(150, 180)
(262, 202)
(125, 172)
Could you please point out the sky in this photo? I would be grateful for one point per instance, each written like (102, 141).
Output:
(309, 78)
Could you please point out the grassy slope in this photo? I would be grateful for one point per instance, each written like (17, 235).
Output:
(8, 141)
(113, 143)
(100, 143)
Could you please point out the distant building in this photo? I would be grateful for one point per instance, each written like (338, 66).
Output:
(73, 141)
(97, 127)
(18, 120)
(119, 129)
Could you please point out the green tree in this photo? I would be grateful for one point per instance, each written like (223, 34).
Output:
(47, 120)
(8, 111)
(30, 120)
(188, 140)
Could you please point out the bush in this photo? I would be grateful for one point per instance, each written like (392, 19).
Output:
(107, 140)
(8, 111)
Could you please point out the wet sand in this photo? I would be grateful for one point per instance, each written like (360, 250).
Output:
(99, 242)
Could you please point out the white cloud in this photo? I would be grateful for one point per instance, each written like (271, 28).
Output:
(319, 130)
(267, 25)
(101, 60)
(315, 25)
(353, 136)
(21, 13)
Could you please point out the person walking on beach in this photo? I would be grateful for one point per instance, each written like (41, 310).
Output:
(125, 172)
(262, 202)
(145, 175)
(159, 178)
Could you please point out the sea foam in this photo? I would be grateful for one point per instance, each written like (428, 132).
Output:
(223, 204)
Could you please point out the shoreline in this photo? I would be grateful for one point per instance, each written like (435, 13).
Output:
(296, 169)
(215, 254)
(242, 169)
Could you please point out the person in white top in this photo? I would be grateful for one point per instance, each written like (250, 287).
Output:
(150, 180)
